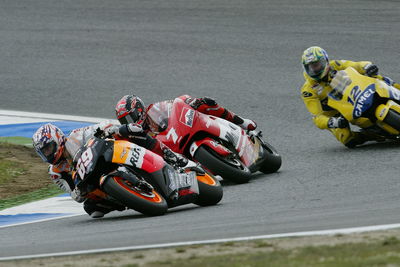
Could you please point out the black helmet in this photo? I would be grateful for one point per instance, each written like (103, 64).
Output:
(130, 109)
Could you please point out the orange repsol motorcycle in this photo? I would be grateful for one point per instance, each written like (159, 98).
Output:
(132, 176)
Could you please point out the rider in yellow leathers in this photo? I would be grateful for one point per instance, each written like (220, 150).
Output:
(318, 72)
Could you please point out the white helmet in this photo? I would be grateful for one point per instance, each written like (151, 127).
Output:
(49, 143)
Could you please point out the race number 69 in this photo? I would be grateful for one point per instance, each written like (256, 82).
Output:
(84, 162)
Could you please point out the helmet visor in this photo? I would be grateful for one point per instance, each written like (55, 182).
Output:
(315, 68)
(132, 117)
(48, 151)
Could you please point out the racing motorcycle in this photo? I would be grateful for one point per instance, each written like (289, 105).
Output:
(131, 176)
(367, 102)
(220, 146)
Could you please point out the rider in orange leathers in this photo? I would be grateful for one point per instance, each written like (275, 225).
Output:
(62, 151)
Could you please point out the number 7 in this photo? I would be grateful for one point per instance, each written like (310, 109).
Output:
(172, 133)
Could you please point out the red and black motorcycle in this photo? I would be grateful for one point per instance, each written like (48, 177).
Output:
(131, 176)
(220, 146)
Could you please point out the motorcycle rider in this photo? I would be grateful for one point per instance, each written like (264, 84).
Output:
(318, 72)
(60, 151)
(131, 109)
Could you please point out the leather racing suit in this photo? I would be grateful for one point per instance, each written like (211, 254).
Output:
(204, 105)
(315, 97)
(60, 173)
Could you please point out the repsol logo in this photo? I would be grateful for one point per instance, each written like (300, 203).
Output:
(135, 155)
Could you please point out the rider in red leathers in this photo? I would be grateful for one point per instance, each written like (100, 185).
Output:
(131, 109)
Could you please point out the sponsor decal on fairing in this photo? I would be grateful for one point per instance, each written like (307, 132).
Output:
(182, 183)
(187, 117)
(382, 112)
(135, 156)
(363, 100)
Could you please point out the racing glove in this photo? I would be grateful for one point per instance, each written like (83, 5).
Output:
(124, 130)
(112, 130)
(338, 122)
(174, 159)
(197, 102)
(371, 70)
(134, 128)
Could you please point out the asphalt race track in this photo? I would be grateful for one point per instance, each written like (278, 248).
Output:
(79, 57)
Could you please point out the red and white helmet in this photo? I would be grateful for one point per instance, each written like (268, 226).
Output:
(130, 109)
(49, 143)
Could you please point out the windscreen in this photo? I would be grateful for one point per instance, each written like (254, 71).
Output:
(158, 115)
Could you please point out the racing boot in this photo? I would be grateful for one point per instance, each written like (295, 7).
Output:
(359, 138)
(99, 209)
(209, 106)
(245, 124)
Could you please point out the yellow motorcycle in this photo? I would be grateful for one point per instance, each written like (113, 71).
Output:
(367, 102)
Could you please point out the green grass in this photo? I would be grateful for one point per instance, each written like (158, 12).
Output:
(9, 170)
(17, 140)
(46, 192)
(378, 253)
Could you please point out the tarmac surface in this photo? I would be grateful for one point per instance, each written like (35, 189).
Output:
(79, 57)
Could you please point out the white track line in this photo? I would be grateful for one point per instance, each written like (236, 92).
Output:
(42, 220)
(13, 113)
(211, 241)
(175, 244)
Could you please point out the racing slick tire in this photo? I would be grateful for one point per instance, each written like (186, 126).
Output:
(148, 203)
(210, 190)
(229, 169)
(273, 160)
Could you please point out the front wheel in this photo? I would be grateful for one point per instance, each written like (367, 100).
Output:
(228, 168)
(148, 202)
(210, 190)
(273, 160)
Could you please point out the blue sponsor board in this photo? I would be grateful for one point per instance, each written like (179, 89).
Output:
(42, 210)
(28, 215)
(28, 129)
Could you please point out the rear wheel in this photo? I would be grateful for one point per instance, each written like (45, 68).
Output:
(210, 190)
(143, 200)
(273, 160)
(230, 168)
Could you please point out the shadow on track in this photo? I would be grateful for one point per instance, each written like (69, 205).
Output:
(387, 145)
(254, 177)
(382, 145)
(134, 215)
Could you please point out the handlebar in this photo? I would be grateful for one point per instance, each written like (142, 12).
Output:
(99, 133)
